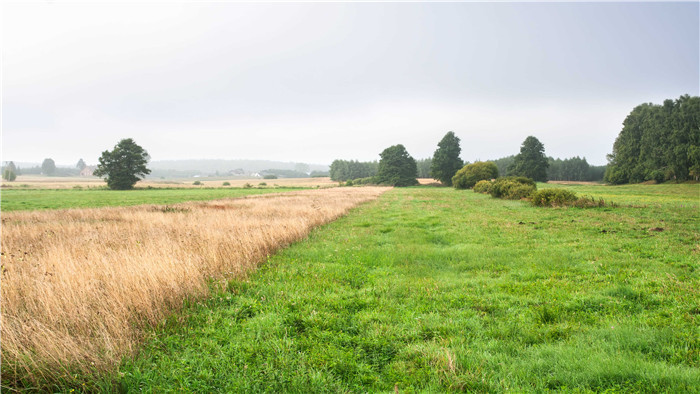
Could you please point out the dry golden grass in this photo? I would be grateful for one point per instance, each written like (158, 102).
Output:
(44, 182)
(79, 286)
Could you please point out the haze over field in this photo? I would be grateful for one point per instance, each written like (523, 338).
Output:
(315, 82)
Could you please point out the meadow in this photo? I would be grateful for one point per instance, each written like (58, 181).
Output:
(424, 289)
(433, 289)
(80, 285)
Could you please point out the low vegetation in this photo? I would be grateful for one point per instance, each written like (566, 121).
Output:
(512, 188)
(553, 197)
(435, 290)
(566, 198)
(472, 173)
(79, 286)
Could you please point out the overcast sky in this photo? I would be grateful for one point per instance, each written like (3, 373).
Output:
(314, 82)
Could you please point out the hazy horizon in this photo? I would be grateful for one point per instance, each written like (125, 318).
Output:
(314, 82)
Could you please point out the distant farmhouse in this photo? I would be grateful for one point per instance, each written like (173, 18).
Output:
(88, 170)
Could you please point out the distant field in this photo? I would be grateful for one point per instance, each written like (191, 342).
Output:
(29, 199)
(433, 289)
(45, 182)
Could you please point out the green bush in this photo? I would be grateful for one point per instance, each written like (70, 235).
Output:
(483, 186)
(226, 184)
(591, 202)
(513, 188)
(348, 183)
(270, 177)
(262, 184)
(553, 198)
(364, 181)
(197, 183)
(470, 174)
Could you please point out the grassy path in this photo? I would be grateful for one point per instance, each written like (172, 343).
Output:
(435, 289)
(28, 199)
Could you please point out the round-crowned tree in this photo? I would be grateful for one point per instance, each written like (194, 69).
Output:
(124, 165)
(397, 167)
(446, 161)
(48, 167)
(468, 176)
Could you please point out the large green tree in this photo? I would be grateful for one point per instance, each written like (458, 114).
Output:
(446, 161)
(397, 167)
(531, 161)
(658, 142)
(48, 167)
(124, 165)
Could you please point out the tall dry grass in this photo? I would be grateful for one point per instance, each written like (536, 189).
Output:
(79, 286)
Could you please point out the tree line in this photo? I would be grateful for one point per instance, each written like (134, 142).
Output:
(346, 170)
(658, 142)
(48, 167)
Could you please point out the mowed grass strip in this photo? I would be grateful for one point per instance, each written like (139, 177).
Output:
(79, 286)
(33, 199)
(433, 289)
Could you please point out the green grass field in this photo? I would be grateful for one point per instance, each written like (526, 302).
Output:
(433, 289)
(28, 199)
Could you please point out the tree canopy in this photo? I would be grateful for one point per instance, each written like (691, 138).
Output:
(658, 142)
(48, 167)
(124, 165)
(446, 161)
(531, 161)
(9, 172)
(81, 165)
(397, 167)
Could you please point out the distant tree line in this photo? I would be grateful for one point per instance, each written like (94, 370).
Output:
(658, 142)
(574, 169)
(424, 167)
(347, 170)
(571, 169)
(280, 173)
(48, 167)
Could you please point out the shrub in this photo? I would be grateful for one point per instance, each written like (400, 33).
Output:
(247, 186)
(270, 177)
(513, 188)
(349, 182)
(553, 198)
(262, 184)
(483, 186)
(197, 183)
(364, 181)
(591, 202)
(226, 184)
(470, 174)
